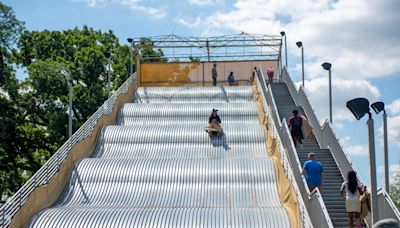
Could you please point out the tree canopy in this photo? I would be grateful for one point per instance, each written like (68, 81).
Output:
(34, 111)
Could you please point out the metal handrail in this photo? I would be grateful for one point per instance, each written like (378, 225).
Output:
(313, 202)
(270, 99)
(284, 158)
(389, 203)
(327, 139)
(52, 166)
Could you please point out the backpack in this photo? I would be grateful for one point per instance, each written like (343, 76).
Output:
(296, 121)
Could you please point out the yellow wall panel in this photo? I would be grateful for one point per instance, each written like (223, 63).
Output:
(198, 73)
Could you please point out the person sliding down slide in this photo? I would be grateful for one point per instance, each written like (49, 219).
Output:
(214, 124)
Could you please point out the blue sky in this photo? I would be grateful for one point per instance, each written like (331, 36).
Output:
(361, 39)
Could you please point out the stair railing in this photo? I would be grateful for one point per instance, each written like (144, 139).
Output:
(52, 166)
(314, 204)
(327, 139)
(285, 156)
(387, 208)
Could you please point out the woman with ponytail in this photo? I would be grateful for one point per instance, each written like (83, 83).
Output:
(351, 190)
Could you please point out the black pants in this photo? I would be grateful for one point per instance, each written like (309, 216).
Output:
(214, 81)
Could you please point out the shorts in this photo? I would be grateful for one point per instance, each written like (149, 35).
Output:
(353, 203)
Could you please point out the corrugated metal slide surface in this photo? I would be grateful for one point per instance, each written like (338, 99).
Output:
(158, 167)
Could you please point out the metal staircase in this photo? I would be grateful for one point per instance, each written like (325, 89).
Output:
(158, 168)
(333, 178)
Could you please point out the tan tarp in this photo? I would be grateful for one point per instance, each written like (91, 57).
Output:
(44, 196)
(286, 193)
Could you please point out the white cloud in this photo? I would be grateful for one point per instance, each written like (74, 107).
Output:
(193, 24)
(394, 170)
(394, 107)
(135, 5)
(360, 37)
(204, 2)
(342, 90)
(357, 150)
(393, 124)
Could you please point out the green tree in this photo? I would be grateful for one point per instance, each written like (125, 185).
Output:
(33, 112)
(83, 54)
(149, 54)
(10, 28)
(10, 115)
(394, 190)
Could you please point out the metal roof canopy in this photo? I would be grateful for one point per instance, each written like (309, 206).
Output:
(236, 47)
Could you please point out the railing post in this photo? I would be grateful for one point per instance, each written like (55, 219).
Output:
(47, 173)
(19, 199)
(3, 216)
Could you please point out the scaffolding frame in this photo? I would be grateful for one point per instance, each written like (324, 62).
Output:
(234, 47)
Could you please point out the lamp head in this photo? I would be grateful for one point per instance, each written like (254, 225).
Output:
(359, 107)
(299, 44)
(107, 54)
(378, 106)
(67, 76)
(282, 33)
(326, 66)
(130, 40)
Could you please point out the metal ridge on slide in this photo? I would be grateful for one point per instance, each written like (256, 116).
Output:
(234, 133)
(165, 217)
(175, 170)
(159, 168)
(194, 94)
(183, 150)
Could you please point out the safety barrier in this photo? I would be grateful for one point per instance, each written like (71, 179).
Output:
(387, 208)
(313, 203)
(284, 157)
(52, 166)
(327, 139)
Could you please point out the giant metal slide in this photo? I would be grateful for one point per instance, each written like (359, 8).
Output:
(159, 168)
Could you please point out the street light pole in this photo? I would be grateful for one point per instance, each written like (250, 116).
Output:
(284, 34)
(372, 166)
(378, 107)
(70, 109)
(386, 154)
(328, 66)
(69, 79)
(302, 64)
(108, 55)
(130, 40)
(300, 44)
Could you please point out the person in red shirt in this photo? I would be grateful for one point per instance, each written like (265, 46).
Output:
(270, 73)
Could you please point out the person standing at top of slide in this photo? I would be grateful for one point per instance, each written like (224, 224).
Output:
(214, 74)
(270, 73)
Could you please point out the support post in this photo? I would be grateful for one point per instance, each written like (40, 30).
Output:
(330, 96)
(302, 64)
(109, 77)
(372, 164)
(70, 110)
(208, 50)
(386, 154)
(286, 53)
(131, 53)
